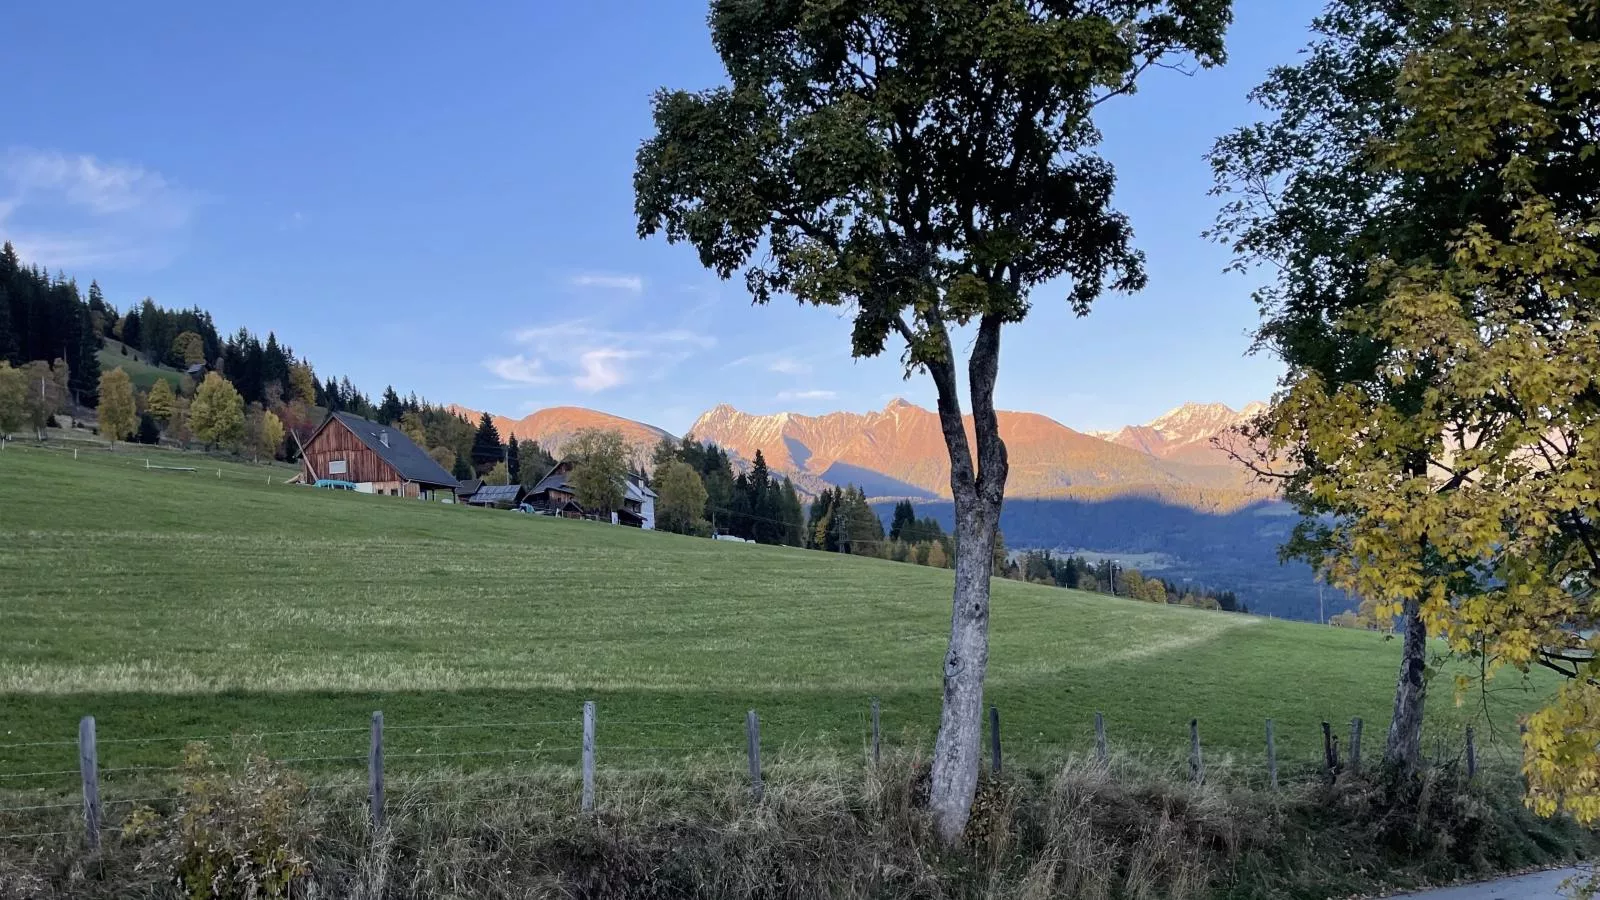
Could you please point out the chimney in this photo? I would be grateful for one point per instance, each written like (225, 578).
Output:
(383, 438)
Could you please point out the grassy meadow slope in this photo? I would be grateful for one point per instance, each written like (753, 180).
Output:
(171, 604)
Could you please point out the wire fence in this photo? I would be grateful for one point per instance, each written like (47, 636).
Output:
(567, 762)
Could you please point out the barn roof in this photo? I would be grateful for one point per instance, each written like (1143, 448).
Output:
(400, 452)
(509, 494)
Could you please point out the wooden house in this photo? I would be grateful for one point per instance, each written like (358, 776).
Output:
(556, 494)
(378, 459)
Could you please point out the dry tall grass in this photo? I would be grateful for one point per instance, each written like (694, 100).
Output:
(1133, 829)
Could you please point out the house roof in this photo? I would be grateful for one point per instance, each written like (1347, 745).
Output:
(556, 480)
(400, 452)
(469, 486)
(497, 493)
(633, 488)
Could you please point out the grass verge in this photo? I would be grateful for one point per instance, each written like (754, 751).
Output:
(825, 829)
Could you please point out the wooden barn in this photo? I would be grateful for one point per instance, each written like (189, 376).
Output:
(376, 458)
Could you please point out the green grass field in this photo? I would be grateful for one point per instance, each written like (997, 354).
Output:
(141, 373)
(172, 605)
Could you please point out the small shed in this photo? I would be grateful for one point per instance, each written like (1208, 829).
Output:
(378, 459)
(501, 496)
(466, 488)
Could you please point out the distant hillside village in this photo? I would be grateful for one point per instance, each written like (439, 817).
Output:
(153, 375)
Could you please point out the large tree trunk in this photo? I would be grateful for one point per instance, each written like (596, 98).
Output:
(1403, 752)
(959, 748)
(978, 496)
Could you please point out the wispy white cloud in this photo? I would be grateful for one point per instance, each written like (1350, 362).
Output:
(612, 281)
(807, 395)
(519, 369)
(602, 369)
(592, 359)
(74, 209)
(785, 365)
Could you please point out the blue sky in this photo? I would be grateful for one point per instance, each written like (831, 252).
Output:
(439, 197)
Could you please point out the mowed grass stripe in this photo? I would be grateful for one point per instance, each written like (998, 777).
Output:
(169, 604)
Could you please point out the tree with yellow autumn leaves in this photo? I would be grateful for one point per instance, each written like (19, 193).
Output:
(1440, 419)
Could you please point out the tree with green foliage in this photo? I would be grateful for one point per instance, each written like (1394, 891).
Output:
(302, 383)
(600, 465)
(444, 456)
(412, 426)
(160, 399)
(149, 432)
(536, 462)
(1482, 412)
(1311, 196)
(189, 349)
(216, 415)
(925, 164)
(13, 399)
(118, 412)
(497, 474)
(681, 499)
(513, 460)
(461, 470)
(271, 434)
(487, 448)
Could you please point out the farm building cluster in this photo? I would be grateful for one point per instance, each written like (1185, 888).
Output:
(377, 459)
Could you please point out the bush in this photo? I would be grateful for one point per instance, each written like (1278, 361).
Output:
(230, 835)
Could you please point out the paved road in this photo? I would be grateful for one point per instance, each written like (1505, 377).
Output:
(1538, 886)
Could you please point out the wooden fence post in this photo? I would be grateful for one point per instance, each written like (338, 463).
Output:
(752, 731)
(89, 767)
(1355, 744)
(1272, 758)
(1197, 764)
(588, 755)
(877, 739)
(1330, 752)
(994, 739)
(375, 771)
(1472, 755)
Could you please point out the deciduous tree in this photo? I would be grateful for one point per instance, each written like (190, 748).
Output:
(216, 415)
(118, 413)
(189, 348)
(303, 384)
(271, 434)
(444, 456)
(13, 399)
(160, 399)
(601, 465)
(926, 164)
(681, 500)
(1308, 198)
(497, 474)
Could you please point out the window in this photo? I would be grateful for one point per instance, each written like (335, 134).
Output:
(336, 467)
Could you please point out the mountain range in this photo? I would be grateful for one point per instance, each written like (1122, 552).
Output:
(1165, 495)
(899, 451)
(554, 427)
